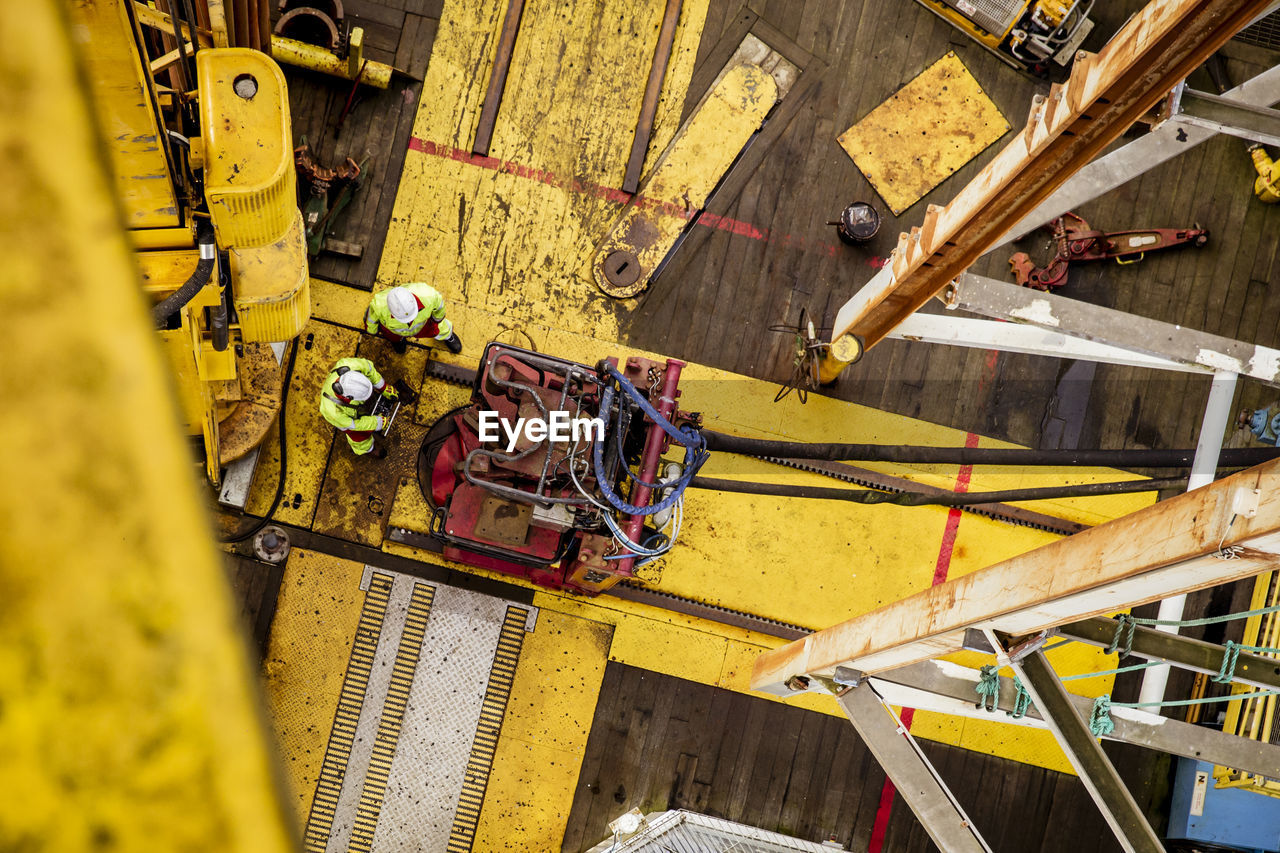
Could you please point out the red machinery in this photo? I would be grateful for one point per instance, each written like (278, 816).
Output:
(509, 496)
(1076, 241)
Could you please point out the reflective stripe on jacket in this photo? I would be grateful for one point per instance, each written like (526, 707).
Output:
(347, 416)
(432, 308)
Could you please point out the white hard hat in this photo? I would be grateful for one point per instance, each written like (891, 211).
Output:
(402, 304)
(355, 386)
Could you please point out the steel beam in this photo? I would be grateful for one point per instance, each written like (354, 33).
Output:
(1174, 546)
(912, 774)
(1028, 339)
(949, 688)
(1163, 143)
(1150, 54)
(1185, 652)
(1104, 785)
(1273, 6)
(993, 298)
(1221, 114)
(1204, 468)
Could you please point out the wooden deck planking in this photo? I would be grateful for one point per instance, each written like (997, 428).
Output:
(399, 33)
(797, 187)
(874, 47)
(614, 695)
(254, 587)
(660, 742)
(1171, 405)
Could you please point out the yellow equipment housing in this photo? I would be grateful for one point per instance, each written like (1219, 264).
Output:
(236, 172)
(1027, 34)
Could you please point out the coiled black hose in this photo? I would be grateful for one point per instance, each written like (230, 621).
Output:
(1233, 457)
(171, 304)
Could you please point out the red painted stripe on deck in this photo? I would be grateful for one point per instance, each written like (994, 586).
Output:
(940, 570)
(736, 227)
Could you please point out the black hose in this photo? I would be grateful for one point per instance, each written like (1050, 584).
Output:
(950, 499)
(275, 502)
(220, 315)
(176, 14)
(1234, 457)
(171, 304)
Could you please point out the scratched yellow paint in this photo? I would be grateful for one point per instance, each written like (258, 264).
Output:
(308, 435)
(514, 236)
(925, 132)
(122, 94)
(729, 539)
(357, 492)
(687, 173)
(311, 636)
(544, 734)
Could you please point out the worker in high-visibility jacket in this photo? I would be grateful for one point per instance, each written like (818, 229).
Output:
(410, 311)
(1267, 186)
(346, 402)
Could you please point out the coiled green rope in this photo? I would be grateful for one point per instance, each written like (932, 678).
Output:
(1021, 701)
(1100, 722)
(988, 688)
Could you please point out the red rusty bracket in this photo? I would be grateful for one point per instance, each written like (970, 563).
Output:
(1077, 242)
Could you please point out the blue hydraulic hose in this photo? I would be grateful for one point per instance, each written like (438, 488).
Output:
(691, 440)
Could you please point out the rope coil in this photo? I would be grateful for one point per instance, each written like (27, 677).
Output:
(1021, 701)
(1123, 639)
(988, 689)
(1230, 654)
(1100, 722)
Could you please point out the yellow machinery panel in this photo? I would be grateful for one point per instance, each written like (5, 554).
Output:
(124, 100)
(249, 179)
(250, 186)
(130, 717)
(1252, 717)
(993, 28)
(271, 286)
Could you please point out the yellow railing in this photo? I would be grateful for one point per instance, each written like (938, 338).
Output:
(1252, 718)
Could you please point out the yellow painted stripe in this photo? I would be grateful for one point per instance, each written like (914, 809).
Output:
(384, 745)
(492, 711)
(342, 736)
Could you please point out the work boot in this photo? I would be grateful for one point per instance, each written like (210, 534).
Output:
(454, 344)
(400, 347)
(406, 394)
(379, 449)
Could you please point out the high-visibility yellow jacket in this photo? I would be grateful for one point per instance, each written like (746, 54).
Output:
(341, 412)
(431, 307)
(1267, 186)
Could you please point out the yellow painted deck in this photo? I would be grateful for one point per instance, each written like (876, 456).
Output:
(311, 638)
(757, 554)
(544, 734)
(509, 240)
(683, 178)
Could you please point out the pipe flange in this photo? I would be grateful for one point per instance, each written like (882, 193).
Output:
(309, 25)
(271, 544)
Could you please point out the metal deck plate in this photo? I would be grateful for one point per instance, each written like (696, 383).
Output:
(924, 133)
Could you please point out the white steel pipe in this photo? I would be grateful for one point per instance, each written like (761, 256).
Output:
(1217, 413)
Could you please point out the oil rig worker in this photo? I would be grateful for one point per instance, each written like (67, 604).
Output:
(410, 311)
(1267, 186)
(346, 402)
